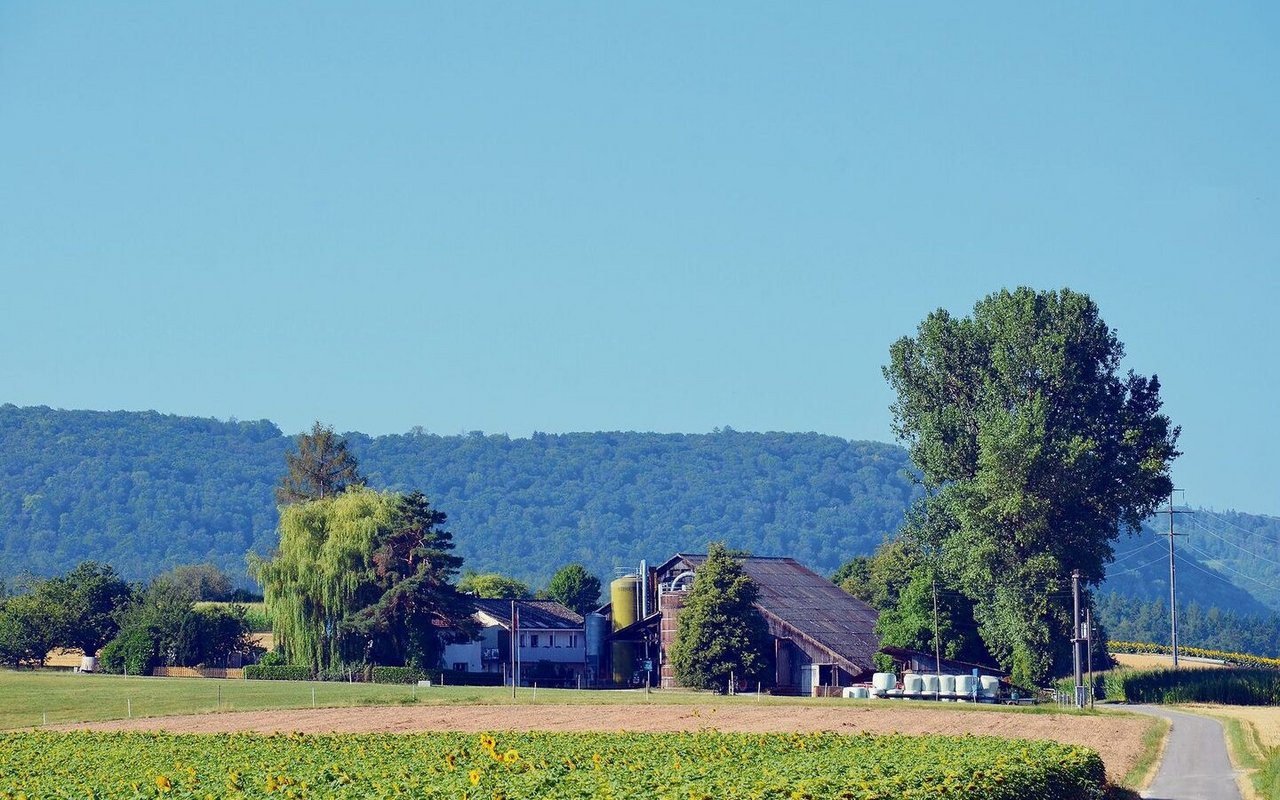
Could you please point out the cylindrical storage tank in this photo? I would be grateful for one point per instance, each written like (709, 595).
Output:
(947, 684)
(990, 685)
(882, 682)
(931, 684)
(861, 692)
(88, 664)
(596, 627)
(624, 662)
(623, 593)
(965, 684)
(912, 683)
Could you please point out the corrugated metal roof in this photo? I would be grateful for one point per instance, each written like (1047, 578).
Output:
(812, 607)
(541, 614)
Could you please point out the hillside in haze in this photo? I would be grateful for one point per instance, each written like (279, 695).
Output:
(146, 491)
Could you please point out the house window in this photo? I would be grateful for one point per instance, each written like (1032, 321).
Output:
(551, 640)
(573, 640)
(522, 641)
(459, 666)
(533, 640)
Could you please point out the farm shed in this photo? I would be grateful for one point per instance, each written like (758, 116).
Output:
(822, 636)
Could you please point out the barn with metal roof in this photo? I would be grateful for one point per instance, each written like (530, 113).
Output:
(823, 638)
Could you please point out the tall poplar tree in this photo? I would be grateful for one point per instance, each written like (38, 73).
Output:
(1035, 453)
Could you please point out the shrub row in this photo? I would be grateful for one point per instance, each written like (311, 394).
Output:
(1240, 687)
(697, 766)
(1239, 659)
(264, 672)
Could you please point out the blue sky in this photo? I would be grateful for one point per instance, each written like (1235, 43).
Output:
(545, 216)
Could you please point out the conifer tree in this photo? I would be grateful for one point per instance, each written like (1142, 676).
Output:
(322, 467)
(719, 631)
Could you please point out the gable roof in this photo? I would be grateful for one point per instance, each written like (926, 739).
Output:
(535, 614)
(807, 606)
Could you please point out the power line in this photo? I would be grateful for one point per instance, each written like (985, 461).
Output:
(1229, 569)
(1205, 529)
(1133, 553)
(1159, 560)
(1237, 526)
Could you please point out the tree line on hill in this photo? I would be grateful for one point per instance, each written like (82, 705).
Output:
(1132, 619)
(147, 492)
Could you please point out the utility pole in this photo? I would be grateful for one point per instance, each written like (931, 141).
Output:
(937, 649)
(1075, 639)
(1173, 583)
(1173, 590)
(1088, 645)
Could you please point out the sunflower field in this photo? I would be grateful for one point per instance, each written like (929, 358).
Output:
(679, 766)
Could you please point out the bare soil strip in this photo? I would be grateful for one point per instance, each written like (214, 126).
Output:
(1117, 738)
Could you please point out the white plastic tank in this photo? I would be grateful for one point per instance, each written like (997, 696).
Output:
(965, 684)
(912, 683)
(990, 685)
(856, 693)
(882, 682)
(931, 685)
(88, 664)
(947, 684)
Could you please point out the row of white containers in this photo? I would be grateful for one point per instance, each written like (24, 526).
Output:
(987, 686)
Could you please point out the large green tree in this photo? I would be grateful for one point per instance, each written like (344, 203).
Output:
(92, 597)
(494, 586)
(418, 609)
(321, 467)
(361, 576)
(30, 626)
(899, 583)
(1035, 452)
(572, 586)
(719, 631)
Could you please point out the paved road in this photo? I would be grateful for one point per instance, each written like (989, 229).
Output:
(1195, 764)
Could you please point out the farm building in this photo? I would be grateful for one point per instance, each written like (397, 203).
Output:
(822, 637)
(552, 643)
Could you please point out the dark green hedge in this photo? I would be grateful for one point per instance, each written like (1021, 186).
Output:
(445, 677)
(1240, 687)
(258, 672)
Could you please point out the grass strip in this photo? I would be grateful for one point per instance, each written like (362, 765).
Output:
(33, 699)
(1153, 743)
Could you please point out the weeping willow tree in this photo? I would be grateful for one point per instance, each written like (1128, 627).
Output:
(321, 574)
(362, 577)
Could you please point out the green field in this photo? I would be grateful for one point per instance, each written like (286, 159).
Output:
(31, 699)
(688, 766)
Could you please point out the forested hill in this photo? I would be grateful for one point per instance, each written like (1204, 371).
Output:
(147, 491)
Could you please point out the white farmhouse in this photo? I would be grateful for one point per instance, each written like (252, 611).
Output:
(552, 643)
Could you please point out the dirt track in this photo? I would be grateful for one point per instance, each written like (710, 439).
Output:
(1117, 738)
